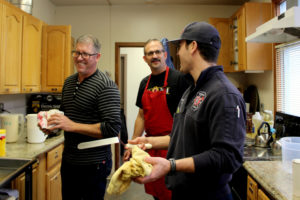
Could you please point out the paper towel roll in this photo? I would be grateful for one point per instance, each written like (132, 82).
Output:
(296, 179)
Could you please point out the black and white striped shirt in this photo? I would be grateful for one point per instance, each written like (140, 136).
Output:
(94, 100)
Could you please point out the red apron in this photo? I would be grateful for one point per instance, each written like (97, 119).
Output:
(158, 122)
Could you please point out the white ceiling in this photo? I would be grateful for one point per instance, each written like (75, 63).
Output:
(140, 2)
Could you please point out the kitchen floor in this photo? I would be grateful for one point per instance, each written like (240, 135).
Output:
(135, 192)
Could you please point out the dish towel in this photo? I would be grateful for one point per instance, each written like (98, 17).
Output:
(133, 168)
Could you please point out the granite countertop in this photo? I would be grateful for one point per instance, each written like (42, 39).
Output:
(271, 176)
(23, 149)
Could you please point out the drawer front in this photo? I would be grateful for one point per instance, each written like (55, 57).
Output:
(262, 195)
(54, 156)
(251, 189)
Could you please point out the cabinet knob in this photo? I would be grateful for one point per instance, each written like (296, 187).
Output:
(7, 89)
(233, 63)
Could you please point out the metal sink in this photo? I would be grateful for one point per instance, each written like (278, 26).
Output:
(10, 168)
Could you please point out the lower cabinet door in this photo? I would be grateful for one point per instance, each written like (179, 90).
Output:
(53, 182)
(251, 189)
(262, 196)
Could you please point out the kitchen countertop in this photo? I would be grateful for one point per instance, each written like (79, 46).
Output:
(253, 153)
(271, 176)
(23, 149)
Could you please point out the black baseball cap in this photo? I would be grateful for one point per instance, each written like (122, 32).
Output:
(201, 32)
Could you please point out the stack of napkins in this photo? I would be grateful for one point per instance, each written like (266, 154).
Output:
(133, 168)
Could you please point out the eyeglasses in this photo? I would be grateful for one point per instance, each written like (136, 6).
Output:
(157, 52)
(84, 55)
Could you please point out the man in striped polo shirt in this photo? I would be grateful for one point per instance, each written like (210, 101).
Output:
(91, 106)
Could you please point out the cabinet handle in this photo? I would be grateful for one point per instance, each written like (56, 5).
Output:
(56, 155)
(233, 26)
(233, 63)
(53, 89)
(250, 189)
(30, 89)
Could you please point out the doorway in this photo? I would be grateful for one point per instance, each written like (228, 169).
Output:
(130, 70)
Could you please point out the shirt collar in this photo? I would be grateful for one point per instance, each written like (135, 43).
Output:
(207, 73)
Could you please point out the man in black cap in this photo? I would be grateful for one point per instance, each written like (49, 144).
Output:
(206, 143)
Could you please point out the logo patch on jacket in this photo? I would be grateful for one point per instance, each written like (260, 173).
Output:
(198, 100)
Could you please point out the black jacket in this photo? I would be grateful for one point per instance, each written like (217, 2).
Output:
(209, 126)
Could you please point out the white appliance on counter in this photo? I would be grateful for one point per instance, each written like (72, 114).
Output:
(13, 124)
(281, 29)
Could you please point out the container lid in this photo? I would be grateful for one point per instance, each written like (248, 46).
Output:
(2, 131)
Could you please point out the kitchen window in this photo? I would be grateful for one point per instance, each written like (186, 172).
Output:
(288, 78)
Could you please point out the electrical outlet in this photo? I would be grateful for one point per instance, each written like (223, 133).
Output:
(1, 107)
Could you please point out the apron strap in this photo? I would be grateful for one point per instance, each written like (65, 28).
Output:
(166, 77)
(165, 81)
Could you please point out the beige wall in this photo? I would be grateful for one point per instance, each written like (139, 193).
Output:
(89, 19)
(138, 23)
(133, 23)
(44, 10)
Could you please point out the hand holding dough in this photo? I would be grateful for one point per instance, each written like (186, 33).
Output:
(133, 168)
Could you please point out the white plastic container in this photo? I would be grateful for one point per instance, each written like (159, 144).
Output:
(290, 151)
(257, 120)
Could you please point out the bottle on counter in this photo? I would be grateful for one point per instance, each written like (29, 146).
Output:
(2, 142)
(249, 126)
(257, 119)
(268, 117)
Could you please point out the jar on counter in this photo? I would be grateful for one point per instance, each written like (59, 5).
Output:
(2, 142)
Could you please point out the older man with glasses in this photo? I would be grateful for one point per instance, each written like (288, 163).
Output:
(157, 99)
(91, 106)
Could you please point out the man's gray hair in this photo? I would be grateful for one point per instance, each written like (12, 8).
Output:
(153, 40)
(88, 38)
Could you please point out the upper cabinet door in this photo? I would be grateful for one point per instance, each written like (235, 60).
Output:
(31, 58)
(259, 55)
(223, 26)
(241, 39)
(56, 53)
(11, 46)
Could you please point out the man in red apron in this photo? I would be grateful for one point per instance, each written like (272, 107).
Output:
(158, 97)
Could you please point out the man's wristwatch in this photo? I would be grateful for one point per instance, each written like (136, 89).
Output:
(173, 166)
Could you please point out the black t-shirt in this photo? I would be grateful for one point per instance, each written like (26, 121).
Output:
(177, 84)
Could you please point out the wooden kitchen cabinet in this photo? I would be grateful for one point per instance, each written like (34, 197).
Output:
(46, 179)
(238, 42)
(223, 26)
(251, 56)
(252, 189)
(31, 54)
(237, 55)
(54, 184)
(261, 195)
(11, 49)
(255, 191)
(53, 178)
(56, 52)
